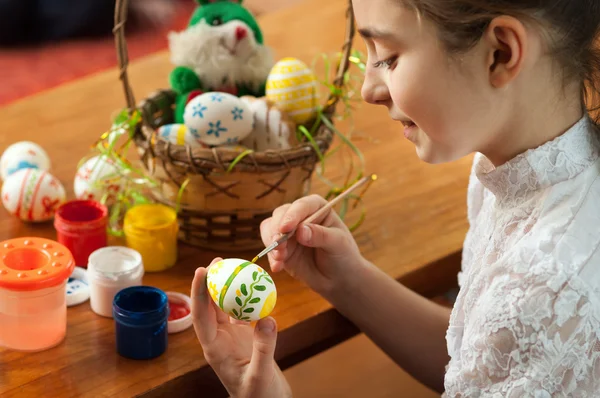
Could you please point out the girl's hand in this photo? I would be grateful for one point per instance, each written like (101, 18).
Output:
(240, 355)
(320, 253)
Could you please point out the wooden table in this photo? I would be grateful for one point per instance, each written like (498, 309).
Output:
(415, 227)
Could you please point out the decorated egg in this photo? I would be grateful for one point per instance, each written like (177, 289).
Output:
(292, 86)
(216, 118)
(32, 194)
(241, 289)
(23, 155)
(179, 134)
(273, 128)
(96, 178)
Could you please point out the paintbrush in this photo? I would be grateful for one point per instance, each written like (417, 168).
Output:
(317, 214)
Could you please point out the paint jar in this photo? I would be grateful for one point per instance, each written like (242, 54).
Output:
(111, 269)
(180, 312)
(151, 230)
(33, 304)
(141, 314)
(81, 227)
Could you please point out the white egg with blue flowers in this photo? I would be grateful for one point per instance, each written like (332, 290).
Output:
(218, 118)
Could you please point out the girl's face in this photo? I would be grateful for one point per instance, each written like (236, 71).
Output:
(444, 104)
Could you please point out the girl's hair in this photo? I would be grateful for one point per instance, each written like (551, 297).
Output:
(571, 26)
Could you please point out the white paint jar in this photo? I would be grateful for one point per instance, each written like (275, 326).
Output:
(111, 269)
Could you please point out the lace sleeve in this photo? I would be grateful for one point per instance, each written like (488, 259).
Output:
(539, 339)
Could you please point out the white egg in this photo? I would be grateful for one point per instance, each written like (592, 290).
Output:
(179, 134)
(23, 155)
(32, 194)
(95, 178)
(241, 289)
(273, 128)
(216, 118)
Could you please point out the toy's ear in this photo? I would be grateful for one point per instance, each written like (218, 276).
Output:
(205, 2)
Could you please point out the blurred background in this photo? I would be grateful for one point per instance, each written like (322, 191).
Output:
(44, 43)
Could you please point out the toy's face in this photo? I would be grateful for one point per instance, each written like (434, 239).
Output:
(223, 44)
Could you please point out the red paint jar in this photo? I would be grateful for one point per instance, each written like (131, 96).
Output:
(81, 227)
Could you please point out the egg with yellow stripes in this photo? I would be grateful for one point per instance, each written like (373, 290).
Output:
(242, 289)
(179, 134)
(292, 86)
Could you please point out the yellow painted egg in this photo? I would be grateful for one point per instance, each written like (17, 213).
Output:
(241, 289)
(292, 86)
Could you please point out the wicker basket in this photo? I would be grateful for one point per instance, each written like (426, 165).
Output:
(220, 209)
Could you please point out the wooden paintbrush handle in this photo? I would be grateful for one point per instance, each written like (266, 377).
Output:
(339, 198)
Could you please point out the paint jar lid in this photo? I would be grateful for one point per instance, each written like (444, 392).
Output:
(78, 289)
(32, 263)
(115, 264)
(180, 312)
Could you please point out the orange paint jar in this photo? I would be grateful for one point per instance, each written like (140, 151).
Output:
(33, 308)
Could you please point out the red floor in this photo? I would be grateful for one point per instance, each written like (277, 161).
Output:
(27, 71)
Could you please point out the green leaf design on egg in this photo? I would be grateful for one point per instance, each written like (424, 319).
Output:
(260, 288)
(239, 301)
(269, 280)
(235, 312)
(249, 310)
(254, 275)
(255, 300)
(244, 290)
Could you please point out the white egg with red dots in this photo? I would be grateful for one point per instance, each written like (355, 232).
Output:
(218, 118)
(242, 289)
(23, 155)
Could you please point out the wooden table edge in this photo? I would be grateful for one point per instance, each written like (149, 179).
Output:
(432, 280)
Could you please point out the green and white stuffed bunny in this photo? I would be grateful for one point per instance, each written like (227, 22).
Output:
(221, 50)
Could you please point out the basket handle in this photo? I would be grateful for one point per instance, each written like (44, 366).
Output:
(121, 7)
(338, 82)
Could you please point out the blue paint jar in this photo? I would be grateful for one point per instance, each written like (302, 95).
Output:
(141, 314)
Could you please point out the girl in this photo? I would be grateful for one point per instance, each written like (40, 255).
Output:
(508, 80)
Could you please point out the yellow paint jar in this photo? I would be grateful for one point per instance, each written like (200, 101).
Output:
(151, 230)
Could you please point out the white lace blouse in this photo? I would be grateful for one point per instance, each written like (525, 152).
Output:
(526, 322)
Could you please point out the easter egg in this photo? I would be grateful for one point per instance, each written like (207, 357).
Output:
(216, 118)
(32, 194)
(241, 289)
(273, 128)
(23, 155)
(179, 134)
(95, 178)
(292, 86)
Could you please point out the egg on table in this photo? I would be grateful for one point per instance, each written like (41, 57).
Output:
(23, 155)
(95, 178)
(241, 289)
(273, 128)
(216, 118)
(292, 86)
(179, 134)
(32, 195)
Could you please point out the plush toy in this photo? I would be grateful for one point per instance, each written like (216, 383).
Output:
(220, 50)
